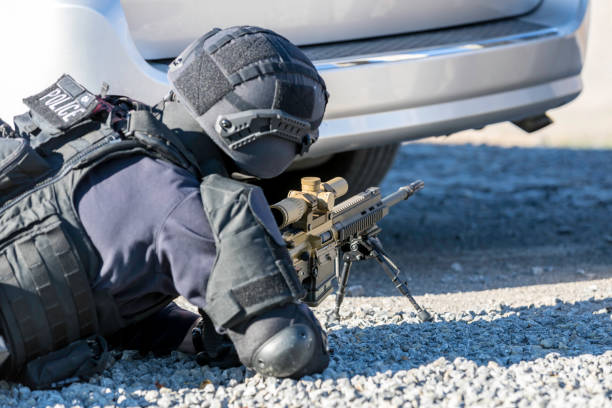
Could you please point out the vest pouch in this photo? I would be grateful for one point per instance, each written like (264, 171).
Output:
(45, 298)
(20, 165)
(80, 360)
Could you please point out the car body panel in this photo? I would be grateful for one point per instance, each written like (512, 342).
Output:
(162, 28)
(431, 87)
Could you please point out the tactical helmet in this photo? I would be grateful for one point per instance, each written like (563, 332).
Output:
(256, 95)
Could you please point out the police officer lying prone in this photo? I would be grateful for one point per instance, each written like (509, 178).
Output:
(110, 209)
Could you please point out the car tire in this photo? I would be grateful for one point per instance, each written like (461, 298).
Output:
(361, 168)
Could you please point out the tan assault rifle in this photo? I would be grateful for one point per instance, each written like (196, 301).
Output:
(325, 239)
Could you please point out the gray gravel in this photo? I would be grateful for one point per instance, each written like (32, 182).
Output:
(523, 312)
(555, 355)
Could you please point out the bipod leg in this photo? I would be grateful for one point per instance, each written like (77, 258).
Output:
(394, 274)
(344, 275)
(337, 264)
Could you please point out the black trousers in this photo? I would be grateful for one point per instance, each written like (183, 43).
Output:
(159, 333)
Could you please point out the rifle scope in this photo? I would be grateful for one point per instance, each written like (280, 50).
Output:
(315, 194)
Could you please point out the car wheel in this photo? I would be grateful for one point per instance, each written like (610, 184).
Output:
(361, 168)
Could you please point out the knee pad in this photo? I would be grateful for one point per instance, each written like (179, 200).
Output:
(284, 342)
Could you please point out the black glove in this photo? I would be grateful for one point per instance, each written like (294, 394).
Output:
(213, 349)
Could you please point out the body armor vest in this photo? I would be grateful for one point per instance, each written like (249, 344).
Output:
(46, 258)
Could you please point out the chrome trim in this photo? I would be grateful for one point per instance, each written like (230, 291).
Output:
(419, 54)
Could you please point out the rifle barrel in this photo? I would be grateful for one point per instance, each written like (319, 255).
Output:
(403, 193)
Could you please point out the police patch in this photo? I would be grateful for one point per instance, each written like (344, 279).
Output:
(63, 104)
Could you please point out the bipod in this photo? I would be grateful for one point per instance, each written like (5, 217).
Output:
(368, 247)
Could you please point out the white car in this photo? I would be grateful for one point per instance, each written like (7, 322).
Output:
(396, 70)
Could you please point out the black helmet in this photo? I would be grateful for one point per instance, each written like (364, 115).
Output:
(255, 94)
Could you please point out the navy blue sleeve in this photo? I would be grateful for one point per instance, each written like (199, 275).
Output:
(145, 218)
(185, 246)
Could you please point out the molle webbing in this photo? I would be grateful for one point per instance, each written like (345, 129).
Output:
(26, 167)
(45, 299)
(46, 257)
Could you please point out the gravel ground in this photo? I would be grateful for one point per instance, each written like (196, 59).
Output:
(556, 355)
(512, 250)
(493, 217)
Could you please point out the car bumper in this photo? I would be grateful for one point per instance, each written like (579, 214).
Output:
(422, 84)
(421, 92)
